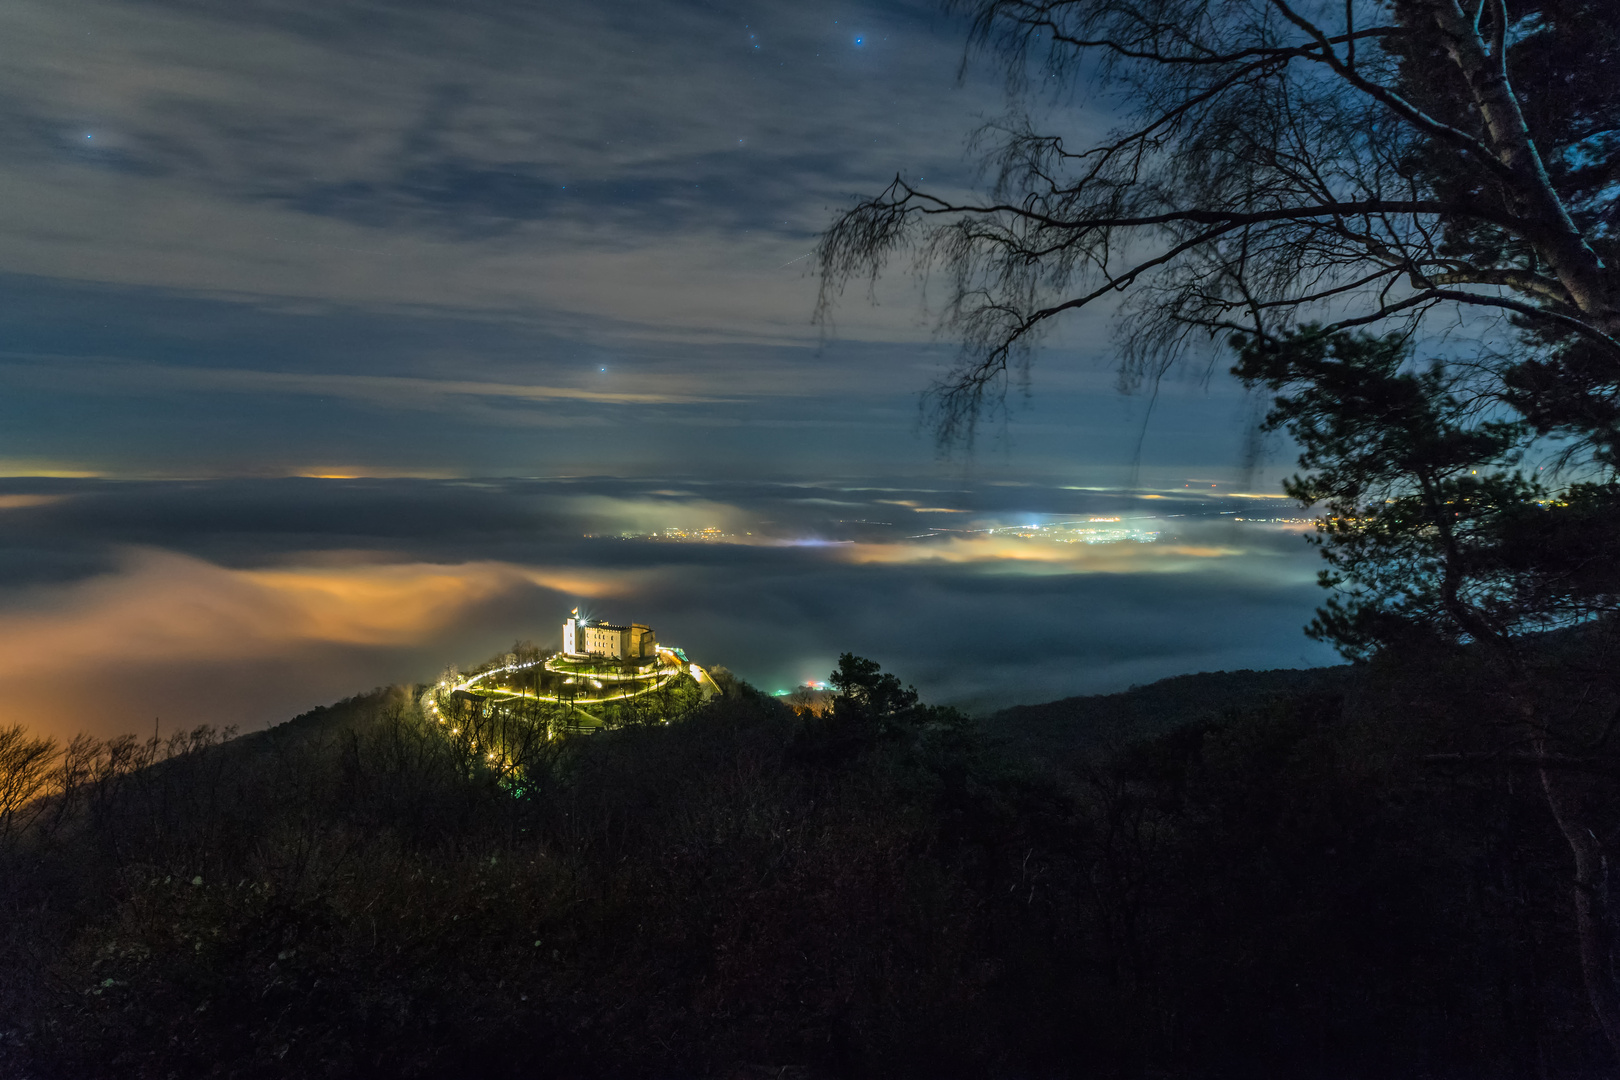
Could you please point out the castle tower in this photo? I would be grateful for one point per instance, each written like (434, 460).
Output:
(572, 645)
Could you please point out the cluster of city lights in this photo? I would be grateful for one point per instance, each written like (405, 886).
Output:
(1097, 530)
(709, 535)
(1278, 520)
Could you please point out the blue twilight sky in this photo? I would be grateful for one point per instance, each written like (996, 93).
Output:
(507, 273)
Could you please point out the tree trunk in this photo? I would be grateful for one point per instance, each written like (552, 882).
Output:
(1567, 796)
(1549, 226)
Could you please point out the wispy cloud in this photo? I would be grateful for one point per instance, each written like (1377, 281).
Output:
(164, 606)
(28, 502)
(74, 655)
(104, 376)
(21, 467)
(398, 389)
(552, 159)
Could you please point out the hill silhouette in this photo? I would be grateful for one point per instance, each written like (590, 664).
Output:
(1079, 728)
(1240, 873)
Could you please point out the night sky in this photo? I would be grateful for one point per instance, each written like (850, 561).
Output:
(342, 341)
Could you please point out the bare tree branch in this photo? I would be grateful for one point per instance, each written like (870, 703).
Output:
(1273, 163)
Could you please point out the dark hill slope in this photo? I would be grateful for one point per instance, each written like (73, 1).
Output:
(1276, 886)
(1082, 728)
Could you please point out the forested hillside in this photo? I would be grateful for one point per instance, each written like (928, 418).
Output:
(1285, 884)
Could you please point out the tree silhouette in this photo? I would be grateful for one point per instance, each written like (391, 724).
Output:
(1287, 173)
(868, 692)
(1347, 162)
(1435, 536)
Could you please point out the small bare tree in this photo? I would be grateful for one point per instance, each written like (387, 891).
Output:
(28, 774)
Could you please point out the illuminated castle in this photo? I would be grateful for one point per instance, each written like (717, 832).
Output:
(581, 637)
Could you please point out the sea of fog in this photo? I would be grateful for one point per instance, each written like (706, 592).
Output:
(129, 604)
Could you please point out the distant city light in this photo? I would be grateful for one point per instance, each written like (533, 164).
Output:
(711, 533)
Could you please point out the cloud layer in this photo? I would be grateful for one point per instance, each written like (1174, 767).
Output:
(244, 602)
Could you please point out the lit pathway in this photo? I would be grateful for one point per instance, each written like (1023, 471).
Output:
(668, 670)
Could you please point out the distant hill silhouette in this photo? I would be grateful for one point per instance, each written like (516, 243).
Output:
(1088, 726)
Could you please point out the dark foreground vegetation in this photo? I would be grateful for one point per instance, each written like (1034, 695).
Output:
(1247, 874)
(1400, 218)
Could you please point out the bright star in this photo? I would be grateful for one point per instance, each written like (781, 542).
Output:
(859, 42)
